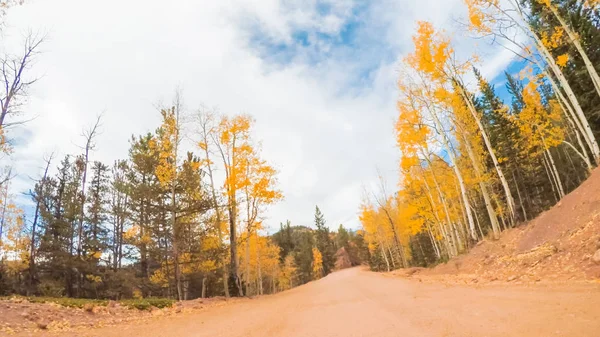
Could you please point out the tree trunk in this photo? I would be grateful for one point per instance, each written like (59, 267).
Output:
(509, 198)
(175, 245)
(555, 173)
(450, 246)
(204, 287)
(519, 196)
(463, 189)
(572, 98)
(34, 224)
(484, 191)
(551, 62)
(247, 264)
(259, 271)
(583, 154)
(234, 271)
(387, 262)
(575, 40)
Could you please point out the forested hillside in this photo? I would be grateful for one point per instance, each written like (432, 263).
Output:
(476, 158)
(163, 222)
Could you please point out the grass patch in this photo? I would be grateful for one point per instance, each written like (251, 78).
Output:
(140, 304)
(147, 303)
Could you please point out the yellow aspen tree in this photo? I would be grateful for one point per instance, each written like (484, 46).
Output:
(317, 264)
(540, 128)
(166, 144)
(259, 185)
(435, 57)
(287, 274)
(466, 134)
(372, 230)
(267, 266)
(207, 132)
(562, 59)
(434, 113)
(234, 145)
(488, 17)
(16, 242)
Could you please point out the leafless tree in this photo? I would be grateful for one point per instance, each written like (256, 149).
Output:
(4, 6)
(89, 136)
(14, 79)
(36, 195)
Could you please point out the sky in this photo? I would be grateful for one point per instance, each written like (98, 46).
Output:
(318, 76)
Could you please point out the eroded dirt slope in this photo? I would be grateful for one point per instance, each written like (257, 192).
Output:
(557, 246)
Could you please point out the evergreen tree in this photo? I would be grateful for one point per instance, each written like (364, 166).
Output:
(515, 88)
(342, 238)
(323, 242)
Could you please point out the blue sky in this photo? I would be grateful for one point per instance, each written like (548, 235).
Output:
(318, 76)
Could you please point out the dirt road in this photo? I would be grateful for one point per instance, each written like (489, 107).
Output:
(354, 302)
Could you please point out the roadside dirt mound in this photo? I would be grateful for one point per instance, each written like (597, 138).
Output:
(556, 246)
(342, 259)
(21, 317)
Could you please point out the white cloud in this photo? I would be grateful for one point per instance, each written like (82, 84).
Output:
(322, 129)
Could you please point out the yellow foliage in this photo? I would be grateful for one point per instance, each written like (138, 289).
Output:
(317, 264)
(539, 126)
(554, 40)
(93, 278)
(481, 15)
(562, 60)
(264, 258)
(287, 274)
(160, 278)
(166, 146)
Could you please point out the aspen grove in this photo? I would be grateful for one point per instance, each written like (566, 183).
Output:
(473, 163)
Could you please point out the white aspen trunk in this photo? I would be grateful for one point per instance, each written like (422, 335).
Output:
(559, 184)
(488, 144)
(547, 56)
(575, 40)
(382, 246)
(259, 270)
(571, 96)
(463, 189)
(519, 196)
(434, 243)
(587, 162)
(437, 218)
(224, 271)
(478, 224)
(391, 257)
(572, 119)
(555, 173)
(454, 229)
(550, 177)
(583, 154)
(484, 191)
(442, 199)
(247, 265)
(174, 209)
(387, 263)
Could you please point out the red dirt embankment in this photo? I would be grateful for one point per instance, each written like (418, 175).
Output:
(557, 246)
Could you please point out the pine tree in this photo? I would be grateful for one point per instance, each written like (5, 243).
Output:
(515, 88)
(323, 242)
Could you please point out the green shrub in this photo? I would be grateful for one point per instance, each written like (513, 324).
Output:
(68, 302)
(147, 303)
